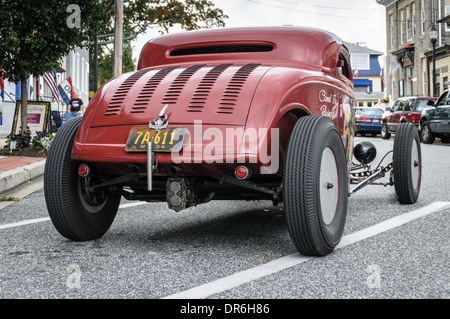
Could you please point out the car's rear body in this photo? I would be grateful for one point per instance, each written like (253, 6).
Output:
(236, 92)
(226, 114)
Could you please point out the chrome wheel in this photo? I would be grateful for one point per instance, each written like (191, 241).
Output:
(425, 132)
(415, 165)
(329, 185)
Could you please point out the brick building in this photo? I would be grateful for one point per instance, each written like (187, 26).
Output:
(409, 67)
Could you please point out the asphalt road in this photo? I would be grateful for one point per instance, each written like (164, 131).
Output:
(236, 249)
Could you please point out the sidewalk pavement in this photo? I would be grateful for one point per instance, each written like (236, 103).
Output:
(16, 170)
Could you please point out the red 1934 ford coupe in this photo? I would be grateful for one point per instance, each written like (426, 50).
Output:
(240, 114)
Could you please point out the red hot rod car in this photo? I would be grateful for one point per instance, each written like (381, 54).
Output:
(241, 114)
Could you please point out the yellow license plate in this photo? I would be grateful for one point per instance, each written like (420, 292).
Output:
(166, 140)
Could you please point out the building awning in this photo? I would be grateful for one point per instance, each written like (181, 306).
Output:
(441, 52)
(362, 82)
(444, 19)
(364, 96)
(405, 55)
(59, 69)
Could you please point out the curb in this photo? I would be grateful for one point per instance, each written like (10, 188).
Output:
(20, 175)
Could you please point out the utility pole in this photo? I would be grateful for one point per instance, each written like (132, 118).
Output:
(118, 34)
(96, 57)
(95, 63)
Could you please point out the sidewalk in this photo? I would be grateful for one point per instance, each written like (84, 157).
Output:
(16, 170)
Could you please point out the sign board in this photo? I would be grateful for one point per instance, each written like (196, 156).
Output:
(37, 117)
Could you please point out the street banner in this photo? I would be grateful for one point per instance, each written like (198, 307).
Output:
(65, 90)
(394, 66)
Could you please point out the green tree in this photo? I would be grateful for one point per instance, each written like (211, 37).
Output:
(105, 62)
(35, 36)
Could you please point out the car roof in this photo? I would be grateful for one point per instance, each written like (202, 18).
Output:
(295, 44)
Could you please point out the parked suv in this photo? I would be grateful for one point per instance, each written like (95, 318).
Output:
(405, 109)
(435, 120)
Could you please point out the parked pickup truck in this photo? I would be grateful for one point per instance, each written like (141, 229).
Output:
(435, 120)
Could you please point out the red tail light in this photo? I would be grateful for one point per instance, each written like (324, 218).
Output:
(363, 119)
(242, 172)
(415, 117)
(83, 170)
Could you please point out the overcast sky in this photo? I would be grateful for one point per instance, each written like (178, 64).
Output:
(362, 21)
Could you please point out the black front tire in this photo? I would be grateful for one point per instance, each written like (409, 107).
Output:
(407, 163)
(76, 213)
(315, 191)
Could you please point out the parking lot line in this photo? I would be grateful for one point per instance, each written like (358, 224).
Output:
(275, 266)
(45, 219)
(25, 222)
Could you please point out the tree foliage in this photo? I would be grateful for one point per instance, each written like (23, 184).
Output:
(140, 15)
(35, 36)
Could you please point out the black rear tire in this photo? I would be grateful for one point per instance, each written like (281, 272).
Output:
(384, 131)
(407, 163)
(427, 136)
(315, 191)
(75, 213)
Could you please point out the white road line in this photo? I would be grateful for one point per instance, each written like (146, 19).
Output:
(25, 222)
(45, 219)
(132, 204)
(272, 267)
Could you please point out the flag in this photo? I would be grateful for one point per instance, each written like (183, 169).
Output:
(65, 90)
(50, 79)
(393, 66)
(356, 72)
(69, 79)
(2, 85)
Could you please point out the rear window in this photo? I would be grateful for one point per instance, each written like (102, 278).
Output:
(421, 104)
(231, 48)
(369, 112)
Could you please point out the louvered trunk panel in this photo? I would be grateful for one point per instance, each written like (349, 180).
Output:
(214, 94)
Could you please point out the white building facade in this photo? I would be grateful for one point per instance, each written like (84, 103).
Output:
(75, 65)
